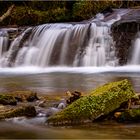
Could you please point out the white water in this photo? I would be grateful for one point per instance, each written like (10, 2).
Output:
(85, 44)
(85, 70)
(135, 59)
(3, 42)
(65, 47)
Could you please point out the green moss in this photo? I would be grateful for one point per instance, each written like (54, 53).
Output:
(131, 115)
(28, 111)
(101, 101)
(7, 100)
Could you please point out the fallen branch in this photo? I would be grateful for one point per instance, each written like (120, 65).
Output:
(8, 12)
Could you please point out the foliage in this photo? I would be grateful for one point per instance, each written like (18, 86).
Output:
(101, 101)
(38, 12)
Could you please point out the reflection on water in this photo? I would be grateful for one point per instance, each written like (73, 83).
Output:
(59, 83)
(104, 130)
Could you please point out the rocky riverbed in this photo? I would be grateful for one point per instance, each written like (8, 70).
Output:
(114, 101)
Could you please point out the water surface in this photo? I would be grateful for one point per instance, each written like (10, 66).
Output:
(58, 82)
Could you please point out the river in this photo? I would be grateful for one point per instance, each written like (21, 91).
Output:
(57, 81)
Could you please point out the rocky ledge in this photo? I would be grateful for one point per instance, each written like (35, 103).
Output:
(124, 32)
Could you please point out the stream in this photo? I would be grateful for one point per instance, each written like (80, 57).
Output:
(56, 82)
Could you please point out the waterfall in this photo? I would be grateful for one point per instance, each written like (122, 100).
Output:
(4, 38)
(88, 43)
(135, 59)
(100, 48)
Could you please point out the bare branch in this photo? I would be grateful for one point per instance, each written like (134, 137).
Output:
(8, 12)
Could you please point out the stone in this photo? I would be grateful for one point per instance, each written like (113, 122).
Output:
(28, 111)
(124, 32)
(99, 102)
(73, 96)
(7, 100)
(130, 115)
(61, 106)
(32, 97)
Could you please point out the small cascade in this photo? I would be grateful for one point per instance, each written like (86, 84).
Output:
(9, 58)
(4, 39)
(88, 43)
(135, 59)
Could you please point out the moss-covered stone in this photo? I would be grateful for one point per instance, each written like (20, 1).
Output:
(7, 100)
(131, 115)
(28, 111)
(101, 101)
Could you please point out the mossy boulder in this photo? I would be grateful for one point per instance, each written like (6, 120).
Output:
(7, 100)
(28, 111)
(101, 101)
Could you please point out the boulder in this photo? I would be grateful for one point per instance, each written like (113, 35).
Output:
(28, 111)
(7, 100)
(99, 102)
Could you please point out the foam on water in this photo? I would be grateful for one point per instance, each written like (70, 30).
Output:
(85, 70)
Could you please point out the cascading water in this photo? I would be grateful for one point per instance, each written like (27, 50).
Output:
(4, 38)
(82, 44)
(135, 59)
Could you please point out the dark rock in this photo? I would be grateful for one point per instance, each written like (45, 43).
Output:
(73, 96)
(7, 100)
(32, 97)
(124, 32)
(19, 99)
(107, 11)
(131, 115)
(28, 111)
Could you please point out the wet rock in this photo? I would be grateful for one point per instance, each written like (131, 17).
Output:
(61, 106)
(22, 96)
(73, 96)
(124, 32)
(130, 115)
(28, 111)
(19, 99)
(7, 100)
(101, 101)
(32, 97)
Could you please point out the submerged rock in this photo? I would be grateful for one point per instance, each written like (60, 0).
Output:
(101, 101)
